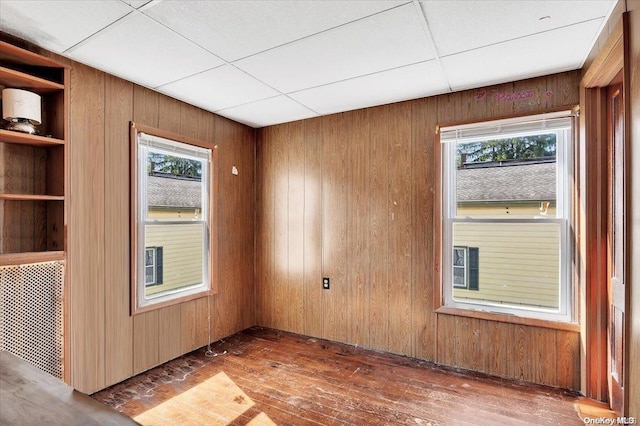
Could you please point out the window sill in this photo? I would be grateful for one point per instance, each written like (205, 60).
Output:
(175, 301)
(512, 319)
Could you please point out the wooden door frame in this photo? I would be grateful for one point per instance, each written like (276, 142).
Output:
(612, 59)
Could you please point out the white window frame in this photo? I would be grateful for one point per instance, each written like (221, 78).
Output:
(520, 126)
(143, 139)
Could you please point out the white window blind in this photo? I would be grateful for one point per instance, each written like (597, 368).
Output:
(508, 128)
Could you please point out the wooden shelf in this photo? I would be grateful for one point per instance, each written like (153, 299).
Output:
(12, 78)
(11, 53)
(31, 197)
(33, 209)
(7, 259)
(10, 136)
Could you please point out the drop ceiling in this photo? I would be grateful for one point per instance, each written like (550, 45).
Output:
(266, 62)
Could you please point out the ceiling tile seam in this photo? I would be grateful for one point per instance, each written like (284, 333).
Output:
(189, 76)
(149, 5)
(427, 30)
(303, 105)
(86, 39)
(523, 37)
(280, 93)
(359, 76)
(179, 34)
(322, 32)
(217, 111)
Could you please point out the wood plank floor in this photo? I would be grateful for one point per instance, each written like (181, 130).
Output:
(296, 380)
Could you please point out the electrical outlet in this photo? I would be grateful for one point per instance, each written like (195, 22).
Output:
(325, 283)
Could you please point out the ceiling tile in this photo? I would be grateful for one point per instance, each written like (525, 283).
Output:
(547, 53)
(380, 42)
(458, 26)
(267, 112)
(137, 3)
(141, 50)
(236, 29)
(410, 82)
(58, 25)
(219, 88)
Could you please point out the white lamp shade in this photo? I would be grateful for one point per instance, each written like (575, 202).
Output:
(17, 103)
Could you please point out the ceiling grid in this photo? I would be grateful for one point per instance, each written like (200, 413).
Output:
(265, 62)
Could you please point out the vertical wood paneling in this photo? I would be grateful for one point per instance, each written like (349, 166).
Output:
(295, 225)
(280, 295)
(202, 322)
(188, 326)
(87, 225)
(118, 324)
(169, 114)
(334, 225)
(223, 319)
(496, 342)
(266, 227)
(522, 355)
(146, 341)
(400, 340)
(467, 342)
(169, 332)
(447, 340)
(146, 106)
(376, 168)
(424, 120)
(313, 149)
(244, 225)
(543, 349)
(568, 360)
(379, 218)
(235, 213)
(109, 345)
(358, 227)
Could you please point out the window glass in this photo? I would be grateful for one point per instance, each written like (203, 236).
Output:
(150, 266)
(173, 190)
(459, 267)
(506, 196)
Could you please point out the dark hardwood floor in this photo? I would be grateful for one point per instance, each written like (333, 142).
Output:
(295, 380)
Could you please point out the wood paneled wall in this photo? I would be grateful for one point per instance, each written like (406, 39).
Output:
(107, 344)
(350, 196)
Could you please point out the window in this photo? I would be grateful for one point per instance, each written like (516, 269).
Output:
(172, 199)
(506, 193)
(460, 267)
(153, 266)
(465, 267)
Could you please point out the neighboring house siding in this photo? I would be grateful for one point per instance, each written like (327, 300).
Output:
(182, 250)
(535, 280)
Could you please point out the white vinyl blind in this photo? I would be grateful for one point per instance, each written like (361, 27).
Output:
(503, 129)
(167, 146)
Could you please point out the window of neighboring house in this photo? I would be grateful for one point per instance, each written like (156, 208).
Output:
(172, 195)
(459, 263)
(465, 267)
(153, 266)
(506, 193)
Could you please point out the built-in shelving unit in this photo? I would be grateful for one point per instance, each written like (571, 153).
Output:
(33, 167)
